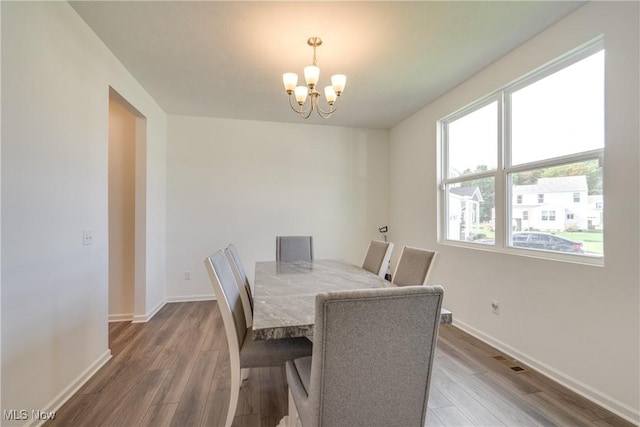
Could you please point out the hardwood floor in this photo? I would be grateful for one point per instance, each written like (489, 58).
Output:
(174, 371)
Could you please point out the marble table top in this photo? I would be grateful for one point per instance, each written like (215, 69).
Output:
(284, 294)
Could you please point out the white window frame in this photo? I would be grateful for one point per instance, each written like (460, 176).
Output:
(504, 169)
(473, 176)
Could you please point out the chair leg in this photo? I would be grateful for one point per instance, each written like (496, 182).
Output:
(233, 399)
(244, 373)
(236, 380)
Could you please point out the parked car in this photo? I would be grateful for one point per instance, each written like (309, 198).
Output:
(546, 242)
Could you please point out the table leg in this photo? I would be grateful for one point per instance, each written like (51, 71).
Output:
(291, 419)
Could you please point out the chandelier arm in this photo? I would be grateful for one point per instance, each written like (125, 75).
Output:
(307, 114)
(327, 114)
(300, 111)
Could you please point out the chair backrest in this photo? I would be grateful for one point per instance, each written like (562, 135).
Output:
(242, 281)
(377, 258)
(413, 266)
(373, 351)
(229, 301)
(294, 248)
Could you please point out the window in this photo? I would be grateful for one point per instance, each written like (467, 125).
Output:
(470, 176)
(548, 216)
(541, 135)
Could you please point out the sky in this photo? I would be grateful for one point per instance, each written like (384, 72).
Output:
(558, 115)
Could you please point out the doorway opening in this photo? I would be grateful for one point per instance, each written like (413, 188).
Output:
(127, 142)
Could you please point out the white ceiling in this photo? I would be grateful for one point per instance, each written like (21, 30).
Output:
(226, 59)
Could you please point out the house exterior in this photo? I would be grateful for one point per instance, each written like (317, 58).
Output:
(595, 217)
(464, 212)
(556, 204)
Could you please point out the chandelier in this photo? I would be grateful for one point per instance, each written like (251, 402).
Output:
(311, 76)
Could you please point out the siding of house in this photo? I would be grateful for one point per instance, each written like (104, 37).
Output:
(559, 195)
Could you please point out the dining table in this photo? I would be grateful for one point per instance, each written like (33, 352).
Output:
(284, 294)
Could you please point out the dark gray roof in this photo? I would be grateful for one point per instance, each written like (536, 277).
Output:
(470, 192)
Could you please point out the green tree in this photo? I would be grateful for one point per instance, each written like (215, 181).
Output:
(591, 169)
(487, 190)
(527, 178)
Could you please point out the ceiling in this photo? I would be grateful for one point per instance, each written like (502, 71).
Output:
(226, 59)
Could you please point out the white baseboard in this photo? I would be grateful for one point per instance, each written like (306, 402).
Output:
(143, 318)
(613, 405)
(191, 298)
(72, 388)
(120, 317)
(76, 384)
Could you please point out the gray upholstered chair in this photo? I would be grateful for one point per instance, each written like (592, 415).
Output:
(242, 280)
(413, 266)
(243, 351)
(377, 258)
(294, 248)
(373, 351)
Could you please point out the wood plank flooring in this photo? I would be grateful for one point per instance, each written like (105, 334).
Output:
(174, 371)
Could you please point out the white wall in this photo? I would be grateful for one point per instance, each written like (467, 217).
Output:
(245, 182)
(122, 198)
(577, 323)
(0, 207)
(55, 96)
(151, 208)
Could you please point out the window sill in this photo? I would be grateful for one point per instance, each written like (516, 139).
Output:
(583, 259)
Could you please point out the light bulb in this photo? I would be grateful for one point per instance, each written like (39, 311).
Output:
(338, 81)
(330, 94)
(311, 75)
(301, 94)
(290, 81)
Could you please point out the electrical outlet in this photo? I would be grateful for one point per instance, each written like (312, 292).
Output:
(187, 275)
(87, 237)
(495, 307)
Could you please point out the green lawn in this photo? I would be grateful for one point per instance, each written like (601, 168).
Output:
(486, 230)
(592, 240)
